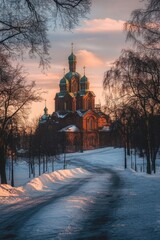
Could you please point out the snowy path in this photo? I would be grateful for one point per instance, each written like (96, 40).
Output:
(14, 217)
(108, 203)
(84, 202)
(85, 212)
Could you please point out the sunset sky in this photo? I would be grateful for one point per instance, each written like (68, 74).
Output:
(98, 41)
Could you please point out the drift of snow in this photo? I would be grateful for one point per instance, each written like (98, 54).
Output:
(39, 185)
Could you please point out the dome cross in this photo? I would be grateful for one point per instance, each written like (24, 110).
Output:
(72, 47)
(84, 68)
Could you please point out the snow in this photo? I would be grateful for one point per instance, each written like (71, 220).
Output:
(39, 185)
(60, 115)
(70, 128)
(136, 215)
(105, 129)
(111, 157)
(80, 113)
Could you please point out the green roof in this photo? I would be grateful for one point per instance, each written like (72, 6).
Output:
(69, 75)
(63, 81)
(83, 79)
(61, 94)
(72, 57)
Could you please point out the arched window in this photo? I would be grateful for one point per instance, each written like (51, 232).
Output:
(90, 124)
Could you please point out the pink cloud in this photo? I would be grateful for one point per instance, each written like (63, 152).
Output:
(88, 59)
(101, 25)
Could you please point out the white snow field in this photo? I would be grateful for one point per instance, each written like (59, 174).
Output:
(94, 198)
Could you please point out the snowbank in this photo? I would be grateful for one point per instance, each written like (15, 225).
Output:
(44, 183)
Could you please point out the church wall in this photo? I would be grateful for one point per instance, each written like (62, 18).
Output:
(102, 122)
(73, 142)
(90, 140)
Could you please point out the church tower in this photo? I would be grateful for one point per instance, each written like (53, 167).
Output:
(72, 61)
(74, 90)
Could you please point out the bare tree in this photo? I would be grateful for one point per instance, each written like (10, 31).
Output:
(15, 98)
(24, 24)
(144, 27)
(138, 79)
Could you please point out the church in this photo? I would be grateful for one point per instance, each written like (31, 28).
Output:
(82, 122)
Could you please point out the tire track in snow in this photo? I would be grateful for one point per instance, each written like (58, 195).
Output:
(12, 221)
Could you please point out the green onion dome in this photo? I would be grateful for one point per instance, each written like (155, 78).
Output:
(72, 57)
(84, 79)
(63, 81)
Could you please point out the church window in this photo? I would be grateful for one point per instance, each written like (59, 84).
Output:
(90, 124)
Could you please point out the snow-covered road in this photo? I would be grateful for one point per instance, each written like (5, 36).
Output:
(85, 203)
(98, 201)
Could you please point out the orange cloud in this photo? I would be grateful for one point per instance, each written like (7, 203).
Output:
(101, 25)
(88, 59)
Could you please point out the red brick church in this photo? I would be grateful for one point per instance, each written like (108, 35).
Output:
(85, 126)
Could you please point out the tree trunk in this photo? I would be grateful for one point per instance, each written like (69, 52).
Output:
(149, 171)
(154, 166)
(154, 154)
(128, 143)
(3, 166)
(125, 156)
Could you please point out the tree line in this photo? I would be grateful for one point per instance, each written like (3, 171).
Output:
(133, 86)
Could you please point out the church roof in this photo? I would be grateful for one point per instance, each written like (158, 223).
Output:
(91, 92)
(61, 114)
(60, 94)
(86, 92)
(81, 112)
(84, 79)
(63, 81)
(72, 57)
(70, 74)
(44, 118)
(105, 129)
(63, 94)
(70, 128)
(71, 94)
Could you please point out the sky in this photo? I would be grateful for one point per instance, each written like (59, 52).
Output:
(98, 42)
